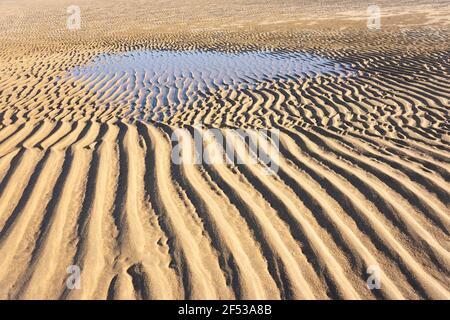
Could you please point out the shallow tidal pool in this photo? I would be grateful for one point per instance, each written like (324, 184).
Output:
(149, 78)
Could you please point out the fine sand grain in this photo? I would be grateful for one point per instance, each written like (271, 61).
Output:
(86, 170)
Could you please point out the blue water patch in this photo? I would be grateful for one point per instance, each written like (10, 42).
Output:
(150, 78)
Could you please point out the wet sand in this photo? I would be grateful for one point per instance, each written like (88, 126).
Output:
(86, 142)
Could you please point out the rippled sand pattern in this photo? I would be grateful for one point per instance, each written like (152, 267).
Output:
(86, 176)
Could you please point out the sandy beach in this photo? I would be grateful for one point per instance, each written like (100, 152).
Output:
(91, 118)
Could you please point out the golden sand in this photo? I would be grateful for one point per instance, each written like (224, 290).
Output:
(363, 177)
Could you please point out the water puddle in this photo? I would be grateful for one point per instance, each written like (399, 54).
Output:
(166, 78)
